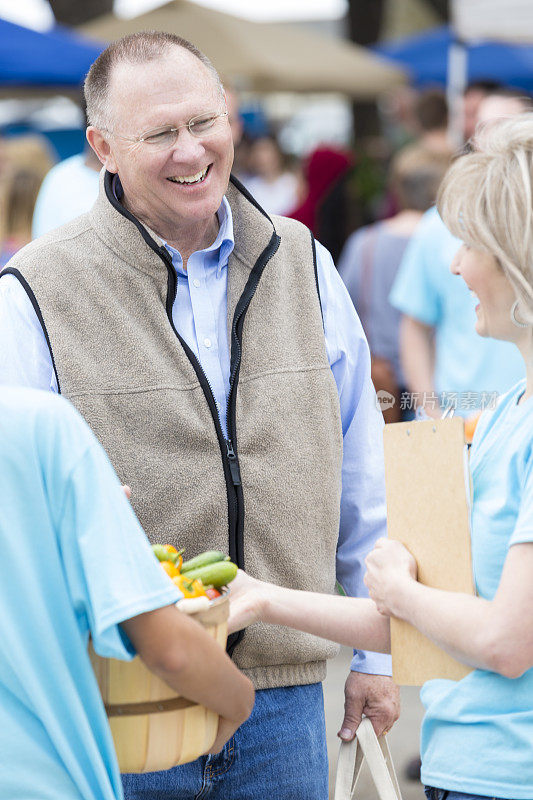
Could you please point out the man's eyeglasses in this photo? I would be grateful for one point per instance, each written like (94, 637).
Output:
(161, 138)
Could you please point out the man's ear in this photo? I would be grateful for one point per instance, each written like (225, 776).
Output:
(101, 147)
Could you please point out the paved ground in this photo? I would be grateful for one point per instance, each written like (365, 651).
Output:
(403, 739)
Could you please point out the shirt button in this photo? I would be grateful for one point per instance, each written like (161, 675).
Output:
(207, 342)
(196, 283)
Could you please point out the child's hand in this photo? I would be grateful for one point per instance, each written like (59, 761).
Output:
(247, 599)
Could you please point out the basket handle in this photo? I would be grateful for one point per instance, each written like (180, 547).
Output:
(367, 746)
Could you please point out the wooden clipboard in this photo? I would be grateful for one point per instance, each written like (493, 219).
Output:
(428, 510)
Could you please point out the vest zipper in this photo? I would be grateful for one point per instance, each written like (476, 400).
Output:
(233, 463)
(229, 458)
(236, 354)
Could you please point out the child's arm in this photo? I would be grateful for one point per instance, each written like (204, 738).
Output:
(180, 652)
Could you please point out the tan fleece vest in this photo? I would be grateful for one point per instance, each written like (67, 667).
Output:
(102, 292)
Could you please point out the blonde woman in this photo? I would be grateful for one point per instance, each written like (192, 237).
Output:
(477, 735)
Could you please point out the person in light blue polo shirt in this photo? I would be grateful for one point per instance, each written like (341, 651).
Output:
(75, 562)
(444, 361)
(468, 370)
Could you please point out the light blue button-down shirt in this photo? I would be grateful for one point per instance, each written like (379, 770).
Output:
(199, 315)
(199, 312)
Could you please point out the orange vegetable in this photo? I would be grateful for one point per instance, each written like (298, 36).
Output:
(170, 568)
(189, 587)
(470, 426)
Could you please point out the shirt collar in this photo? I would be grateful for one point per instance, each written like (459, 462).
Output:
(224, 242)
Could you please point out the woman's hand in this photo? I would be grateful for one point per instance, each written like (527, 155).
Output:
(389, 567)
(247, 601)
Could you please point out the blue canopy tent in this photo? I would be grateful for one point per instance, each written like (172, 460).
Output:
(425, 57)
(50, 63)
(57, 59)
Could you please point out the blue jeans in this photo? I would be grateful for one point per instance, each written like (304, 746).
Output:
(278, 754)
(443, 794)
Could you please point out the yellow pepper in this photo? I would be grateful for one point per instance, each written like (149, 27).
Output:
(189, 587)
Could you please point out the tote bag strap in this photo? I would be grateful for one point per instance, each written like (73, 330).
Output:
(366, 746)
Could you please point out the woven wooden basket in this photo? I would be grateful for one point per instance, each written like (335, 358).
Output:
(154, 728)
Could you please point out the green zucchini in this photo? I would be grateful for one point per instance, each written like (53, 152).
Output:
(216, 574)
(209, 557)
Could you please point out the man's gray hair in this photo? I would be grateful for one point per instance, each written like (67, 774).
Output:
(136, 48)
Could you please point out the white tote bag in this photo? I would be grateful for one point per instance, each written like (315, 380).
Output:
(366, 746)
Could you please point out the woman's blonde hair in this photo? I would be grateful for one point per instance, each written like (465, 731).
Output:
(486, 199)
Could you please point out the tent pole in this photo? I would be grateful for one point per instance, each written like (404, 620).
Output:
(455, 87)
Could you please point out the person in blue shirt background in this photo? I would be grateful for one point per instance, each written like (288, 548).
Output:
(75, 562)
(477, 734)
(68, 190)
(444, 362)
(372, 255)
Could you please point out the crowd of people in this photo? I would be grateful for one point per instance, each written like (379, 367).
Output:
(228, 346)
(418, 320)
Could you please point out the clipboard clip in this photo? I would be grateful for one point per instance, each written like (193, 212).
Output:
(421, 415)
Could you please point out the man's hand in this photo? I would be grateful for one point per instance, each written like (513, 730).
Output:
(127, 490)
(375, 696)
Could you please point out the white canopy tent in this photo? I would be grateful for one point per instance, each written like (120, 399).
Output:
(499, 20)
(264, 57)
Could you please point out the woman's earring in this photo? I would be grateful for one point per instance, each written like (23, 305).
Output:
(514, 319)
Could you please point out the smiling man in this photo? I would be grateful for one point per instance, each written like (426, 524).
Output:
(173, 187)
(217, 356)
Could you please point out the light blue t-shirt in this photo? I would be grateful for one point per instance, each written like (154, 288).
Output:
(75, 562)
(68, 190)
(477, 735)
(465, 363)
